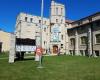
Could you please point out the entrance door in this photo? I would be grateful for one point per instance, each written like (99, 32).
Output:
(55, 49)
(0, 46)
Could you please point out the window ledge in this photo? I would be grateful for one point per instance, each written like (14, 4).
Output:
(97, 43)
(83, 45)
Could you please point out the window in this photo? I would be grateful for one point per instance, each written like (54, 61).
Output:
(31, 19)
(82, 52)
(61, 45)
(71, 52)
(36, 24)
(44, 42)
(97, 53)
(61, 11)
(45, 22)
(72, 41)
(39, 21)
(97, 38)
(61, 20)
(83, 40)
(97, 23)
(56, 20)
(26, 19)
(44, 29)
(56, 11)
(62, 37)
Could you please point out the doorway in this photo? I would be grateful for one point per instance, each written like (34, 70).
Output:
(55, 49)
(97, 53)
(0, 47)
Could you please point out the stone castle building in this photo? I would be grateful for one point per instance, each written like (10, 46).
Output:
(81, 37)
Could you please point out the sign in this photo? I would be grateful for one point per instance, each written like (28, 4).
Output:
(25, 44)
(25, 48)
(55, 33)
(39, 51)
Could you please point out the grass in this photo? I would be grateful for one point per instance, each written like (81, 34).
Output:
(55, 68)
(4, 54)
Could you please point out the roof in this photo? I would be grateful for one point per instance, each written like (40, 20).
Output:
(4, 31)
(69, 21)
(86, 17)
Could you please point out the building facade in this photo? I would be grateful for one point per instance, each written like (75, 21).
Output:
(57, 28)
(80, 37)
(84, 36)
(4, 41)
(53, 29)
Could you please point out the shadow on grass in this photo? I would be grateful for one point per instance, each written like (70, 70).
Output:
(25, 59)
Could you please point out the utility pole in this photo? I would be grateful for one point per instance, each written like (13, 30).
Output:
(40, 56)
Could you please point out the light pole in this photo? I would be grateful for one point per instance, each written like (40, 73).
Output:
(40, 56)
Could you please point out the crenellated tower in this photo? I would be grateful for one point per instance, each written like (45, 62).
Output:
(57, 27)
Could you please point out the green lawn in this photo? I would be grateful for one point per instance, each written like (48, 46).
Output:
(4, 54)
(55, 68)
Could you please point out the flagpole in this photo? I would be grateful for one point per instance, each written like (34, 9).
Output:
(40, 57)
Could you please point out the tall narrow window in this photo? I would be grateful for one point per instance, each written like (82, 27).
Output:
(26, 19)
(31, 19)
(44, 42)
(61, 20)
(97, 38)
(44, 29)
(56, 11)
(62, 37)
(39, 21)
(56, 20)
(61, 45)
(45, 22)
(61, 11)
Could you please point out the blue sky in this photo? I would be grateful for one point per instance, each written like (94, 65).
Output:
(75, 9)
